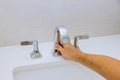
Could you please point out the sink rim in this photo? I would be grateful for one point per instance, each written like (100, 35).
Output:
(54, 65)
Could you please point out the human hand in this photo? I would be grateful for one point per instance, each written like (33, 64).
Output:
(68, 51)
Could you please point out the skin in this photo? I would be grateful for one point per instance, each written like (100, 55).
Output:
(106, 66)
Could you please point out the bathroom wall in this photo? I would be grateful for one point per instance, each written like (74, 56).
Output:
(36, 19)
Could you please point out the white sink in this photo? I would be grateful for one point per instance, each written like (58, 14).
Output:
(18, 64)
(61, 70)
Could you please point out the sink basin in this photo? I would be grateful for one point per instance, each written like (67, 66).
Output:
(60, 70)
(49, 67)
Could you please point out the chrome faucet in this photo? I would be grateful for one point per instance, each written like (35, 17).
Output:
(79, 37)
(35, 53)
(61, 37)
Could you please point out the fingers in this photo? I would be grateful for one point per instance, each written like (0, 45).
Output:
(59, 48)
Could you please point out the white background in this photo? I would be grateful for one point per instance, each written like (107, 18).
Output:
(36, 19)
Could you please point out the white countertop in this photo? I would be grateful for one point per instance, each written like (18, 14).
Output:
(17, 56)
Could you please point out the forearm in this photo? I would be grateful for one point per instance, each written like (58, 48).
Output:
(106, 66)
(99, 63)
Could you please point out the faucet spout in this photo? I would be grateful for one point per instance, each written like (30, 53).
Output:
(61, 37)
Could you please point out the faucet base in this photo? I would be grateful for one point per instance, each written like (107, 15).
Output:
(35, 54)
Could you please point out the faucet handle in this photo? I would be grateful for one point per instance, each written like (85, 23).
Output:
(35, 53)
(79, 37)
(23, 43)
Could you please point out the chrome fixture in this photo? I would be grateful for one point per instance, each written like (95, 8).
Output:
(35, 53)
(61, 37)
(79, 37)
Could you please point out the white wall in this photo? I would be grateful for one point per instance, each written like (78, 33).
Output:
(36, 19)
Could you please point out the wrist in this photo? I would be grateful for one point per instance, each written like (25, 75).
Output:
(80, 56)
